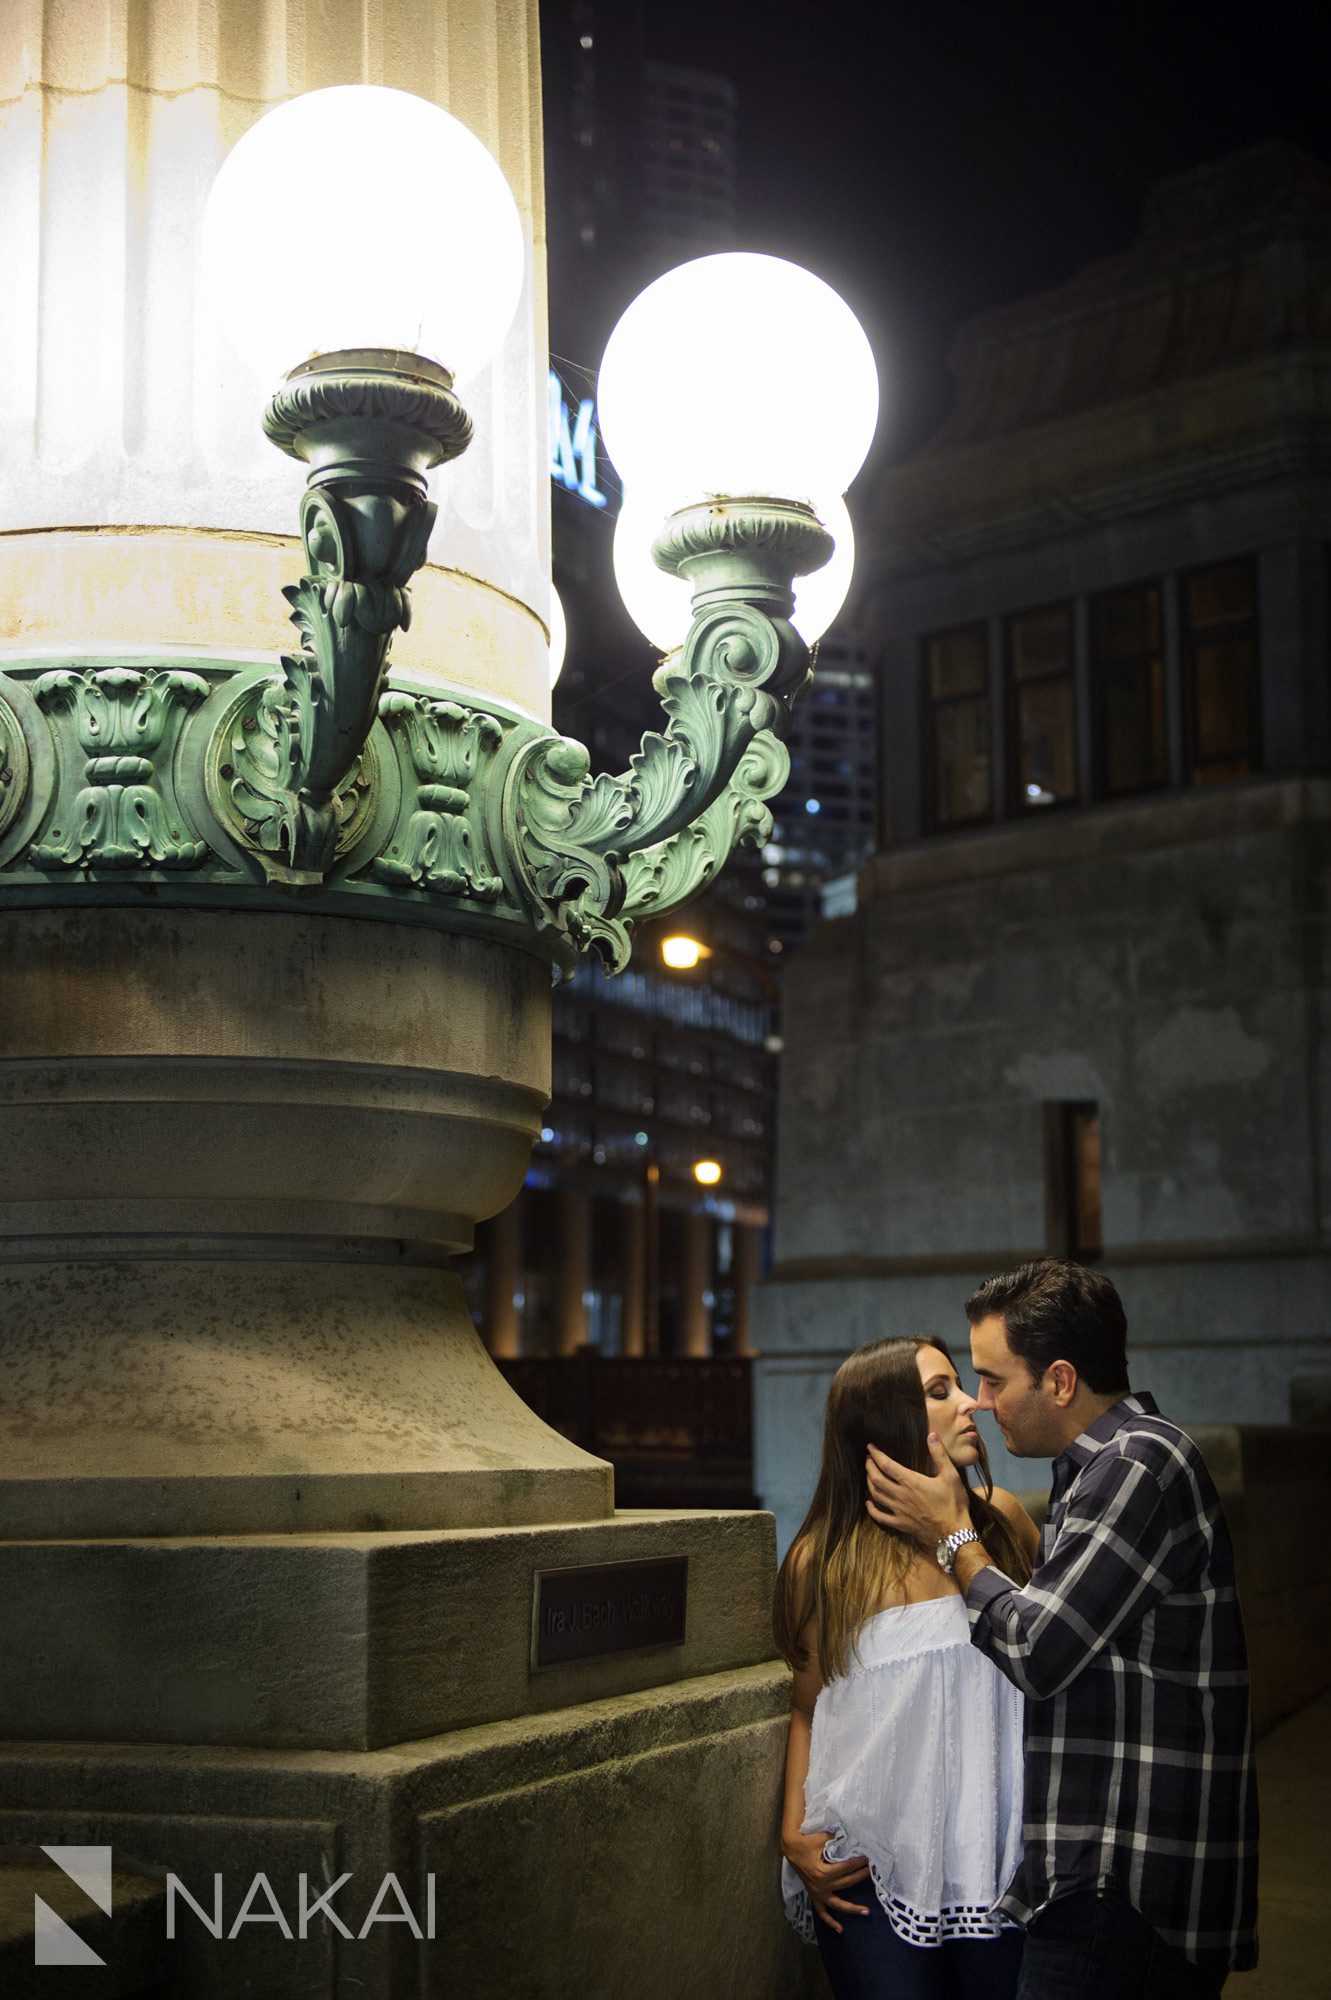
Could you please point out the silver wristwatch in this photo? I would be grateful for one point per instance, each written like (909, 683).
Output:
(946, 1551)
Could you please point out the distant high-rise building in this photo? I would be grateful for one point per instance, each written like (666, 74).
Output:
(824, 819)
(689, 162)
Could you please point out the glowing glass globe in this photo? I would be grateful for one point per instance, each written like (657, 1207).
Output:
(738, 374)
(661, 605)
(558, 636)
(361, 217)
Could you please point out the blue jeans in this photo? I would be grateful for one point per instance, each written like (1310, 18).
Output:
(1097, 1947)
(868, 1961)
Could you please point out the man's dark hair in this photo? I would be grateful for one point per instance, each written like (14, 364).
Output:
(1060, 1312)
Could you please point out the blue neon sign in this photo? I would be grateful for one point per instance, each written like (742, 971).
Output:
(573, 446)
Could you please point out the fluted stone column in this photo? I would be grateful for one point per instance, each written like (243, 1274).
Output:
(695, 1277)
(140, 506)
(573, 1269)
(744, 1276)
(632, 1220)
(239, 1149)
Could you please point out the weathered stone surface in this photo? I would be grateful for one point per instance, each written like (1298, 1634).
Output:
(235, 1151)
(624, 1846)
(354, 1642)
(1131, 387)
(1166, 961)
(1273, 1480)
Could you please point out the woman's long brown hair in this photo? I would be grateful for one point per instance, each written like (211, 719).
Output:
(841, 1564)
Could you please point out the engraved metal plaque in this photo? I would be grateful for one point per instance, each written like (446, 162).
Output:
(583, 1614)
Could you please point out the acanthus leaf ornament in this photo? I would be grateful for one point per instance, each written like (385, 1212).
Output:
(250, 771)
(124, 812)
(437, 845)
(14, 767)
(369, 425)
(581, 842)
(659, 879)
(410, 805)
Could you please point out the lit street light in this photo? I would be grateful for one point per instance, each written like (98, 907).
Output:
(279, 925)
(215, 788)
(683, 954)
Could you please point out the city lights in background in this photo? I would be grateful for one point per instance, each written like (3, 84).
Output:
(682, 953)
(707, 1173)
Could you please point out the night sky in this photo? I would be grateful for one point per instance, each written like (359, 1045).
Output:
(934, 160)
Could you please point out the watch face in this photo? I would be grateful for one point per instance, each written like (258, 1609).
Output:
(941, 1553)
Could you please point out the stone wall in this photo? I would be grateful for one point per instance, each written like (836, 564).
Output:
(1275, 1484)
(1165, 960)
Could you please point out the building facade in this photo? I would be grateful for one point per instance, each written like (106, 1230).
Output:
(1082, 1004)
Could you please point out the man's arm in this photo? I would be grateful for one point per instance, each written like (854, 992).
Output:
(929, 1507)
(1110, 1564)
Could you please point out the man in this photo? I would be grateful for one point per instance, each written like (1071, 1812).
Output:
(1138, 1880)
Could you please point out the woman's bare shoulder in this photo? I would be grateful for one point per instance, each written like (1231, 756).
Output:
(1017, 1518)
(1012, 1509)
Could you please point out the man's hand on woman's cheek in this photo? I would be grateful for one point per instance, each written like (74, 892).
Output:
(923, 1507)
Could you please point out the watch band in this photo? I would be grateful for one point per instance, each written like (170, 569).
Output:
(946, 1552)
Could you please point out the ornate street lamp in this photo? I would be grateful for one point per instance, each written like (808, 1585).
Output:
(332, 786)
(278, 924)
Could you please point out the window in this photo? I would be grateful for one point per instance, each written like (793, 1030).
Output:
(959, 781)
(1220, 670)
(1128, 680)
(1042, 703)
(1072, 1180)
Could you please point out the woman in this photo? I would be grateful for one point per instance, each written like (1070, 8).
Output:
(903, 1769)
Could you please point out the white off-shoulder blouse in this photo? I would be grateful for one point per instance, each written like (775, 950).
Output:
(915, 1763)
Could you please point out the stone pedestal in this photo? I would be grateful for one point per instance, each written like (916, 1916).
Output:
(348, 1642)
(313, 1707)
(615, 1847)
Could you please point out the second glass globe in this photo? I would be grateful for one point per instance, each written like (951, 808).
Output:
(660, 605)
(738, 374)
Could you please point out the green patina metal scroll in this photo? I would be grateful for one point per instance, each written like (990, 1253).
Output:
(333, 784)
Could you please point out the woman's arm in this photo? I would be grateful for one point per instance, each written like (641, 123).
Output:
(824, 1880)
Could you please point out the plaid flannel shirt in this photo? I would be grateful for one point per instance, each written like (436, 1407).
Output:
(1128, 1645)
